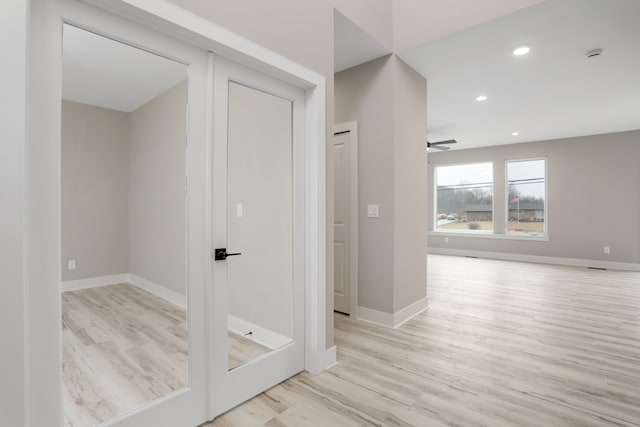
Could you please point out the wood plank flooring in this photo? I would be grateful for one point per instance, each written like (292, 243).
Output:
(502, 344)
(243, 350)
(123, 347)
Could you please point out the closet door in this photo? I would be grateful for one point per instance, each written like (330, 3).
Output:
(258, 233)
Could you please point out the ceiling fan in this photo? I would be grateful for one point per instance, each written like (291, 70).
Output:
(440, 145)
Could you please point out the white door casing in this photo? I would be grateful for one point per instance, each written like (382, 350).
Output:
(345, 222)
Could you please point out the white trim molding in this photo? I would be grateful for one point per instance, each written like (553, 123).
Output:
(376, 317)
(575, 262)
(160, 291)
(94, 282)
(330, 358)
(395, 320)
(490, 235)
(409, 312)
(256, 333)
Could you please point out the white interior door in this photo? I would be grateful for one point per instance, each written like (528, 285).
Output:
(258, 233)
(345, 222)
(185, 405)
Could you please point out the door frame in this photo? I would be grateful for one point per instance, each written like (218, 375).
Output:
(354, 197)
(43, 399)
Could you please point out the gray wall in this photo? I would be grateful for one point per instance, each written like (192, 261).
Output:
(388, 99)
(157, 190)
(410, 128)
(593, 197)
(123, 183)
(13, 232)
(95, 191)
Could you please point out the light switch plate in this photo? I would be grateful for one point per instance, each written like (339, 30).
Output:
(373, 211)
(239, 210)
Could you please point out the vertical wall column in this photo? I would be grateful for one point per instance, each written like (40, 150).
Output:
(13, 43)
(388, 99)
(410, 191)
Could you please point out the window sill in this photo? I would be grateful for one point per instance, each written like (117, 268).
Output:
(488, 235)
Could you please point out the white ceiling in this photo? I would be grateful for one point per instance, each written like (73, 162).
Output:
(102, 72)
(420, 21)
(553, 92)
(353, 45)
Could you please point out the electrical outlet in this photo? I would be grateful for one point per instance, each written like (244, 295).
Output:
(607, 249)
(71, 265)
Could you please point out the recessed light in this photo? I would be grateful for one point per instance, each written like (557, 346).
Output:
(515, 133)
(522, 50)
(481, 98)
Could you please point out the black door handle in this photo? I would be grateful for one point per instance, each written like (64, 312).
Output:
(221, 254)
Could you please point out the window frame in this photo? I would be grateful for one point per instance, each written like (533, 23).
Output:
(493, 201)
(516, 234)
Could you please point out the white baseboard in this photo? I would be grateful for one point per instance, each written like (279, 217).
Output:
(380, 318)
(330, 358)
(159, 291)
(325, 360)
(409, 312)
(147, 285)
(260, 335)
(94, 282)
(392, 320)
(576, 262)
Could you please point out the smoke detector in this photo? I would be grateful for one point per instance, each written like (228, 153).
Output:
(593, 53)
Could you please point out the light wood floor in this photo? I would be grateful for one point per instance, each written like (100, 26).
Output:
(124, 347)
(503, 344)
(243, 350)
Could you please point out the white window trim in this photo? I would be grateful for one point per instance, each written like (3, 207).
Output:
(489, 235)
(435, 201)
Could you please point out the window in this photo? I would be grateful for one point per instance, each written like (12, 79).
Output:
(464, 198)
(526, 197)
